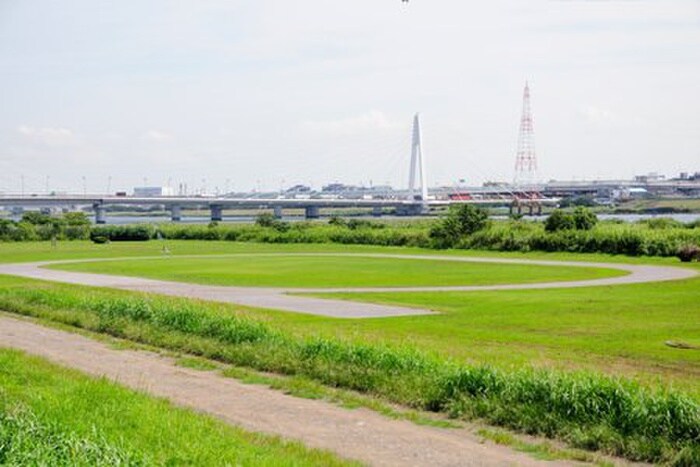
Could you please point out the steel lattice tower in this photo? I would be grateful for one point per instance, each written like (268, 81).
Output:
(526, 160)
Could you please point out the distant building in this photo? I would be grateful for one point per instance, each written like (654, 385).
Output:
(650, 177)
(297, 189)
(153, 191)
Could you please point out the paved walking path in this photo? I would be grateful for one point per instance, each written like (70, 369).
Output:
(354, 434)
(278, 298)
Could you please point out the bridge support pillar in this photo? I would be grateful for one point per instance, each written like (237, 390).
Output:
(217, 213)
(100, 213)
(414, 209)
(539, 209)
(312, 212)
(515, 207)
(278, 212)
(175, 213)
(377, 211)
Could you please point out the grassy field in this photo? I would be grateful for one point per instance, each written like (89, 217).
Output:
(618, 331)
(289, 270)
(53, 416)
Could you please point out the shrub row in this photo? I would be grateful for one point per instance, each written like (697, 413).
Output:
(610, 238)
(24, 231)
(623, 239)
(659, 238)
(587, 410)
(303, 233)
(123, 233)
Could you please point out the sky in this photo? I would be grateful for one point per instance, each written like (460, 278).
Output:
(260, 95)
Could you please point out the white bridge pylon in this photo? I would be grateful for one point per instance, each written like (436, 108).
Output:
(417, 164)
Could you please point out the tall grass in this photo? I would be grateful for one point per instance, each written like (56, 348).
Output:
(25, 440)
(587, 410)
(55, 416)
(611, 238)
(645, 239)
(656, 237)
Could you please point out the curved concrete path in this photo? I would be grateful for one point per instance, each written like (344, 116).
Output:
(278, 298)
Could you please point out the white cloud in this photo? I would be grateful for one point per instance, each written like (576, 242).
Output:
(370, 121)
(600, 116)
(606, 118)
(48, 136)
(157, 136)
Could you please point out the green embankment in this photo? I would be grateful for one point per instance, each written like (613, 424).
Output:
(53, 416)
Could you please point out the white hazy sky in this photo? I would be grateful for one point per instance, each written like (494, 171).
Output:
(264, 93)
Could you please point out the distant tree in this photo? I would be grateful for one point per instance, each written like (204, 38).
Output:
(461, 220)
(355, 224)
(36, 218)
(269, 220)
(584, 218)
(559, 220)
(76, 218)
(586, 201)
(337, 220)
(265, 219)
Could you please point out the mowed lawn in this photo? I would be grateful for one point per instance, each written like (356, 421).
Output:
(50, 415)
(621, 330)
(328, 270)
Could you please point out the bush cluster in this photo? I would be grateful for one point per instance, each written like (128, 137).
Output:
(37, 226)
(609, 238)
(353, 232)
(688, 253)
(580, 219)
(461, 221)
(122, 233)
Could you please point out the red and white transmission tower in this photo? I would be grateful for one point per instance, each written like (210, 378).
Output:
(526, 160)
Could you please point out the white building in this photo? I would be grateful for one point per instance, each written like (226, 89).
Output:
(153, 191)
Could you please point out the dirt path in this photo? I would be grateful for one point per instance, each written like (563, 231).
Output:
(280, 298)
(355, 434)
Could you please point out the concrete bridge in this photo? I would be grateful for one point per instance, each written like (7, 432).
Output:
(216, 206)
(417, 200)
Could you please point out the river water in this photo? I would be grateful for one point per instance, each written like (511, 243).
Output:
(122, 220)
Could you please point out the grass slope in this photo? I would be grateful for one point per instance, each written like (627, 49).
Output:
(53, 416)
(585, 409)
